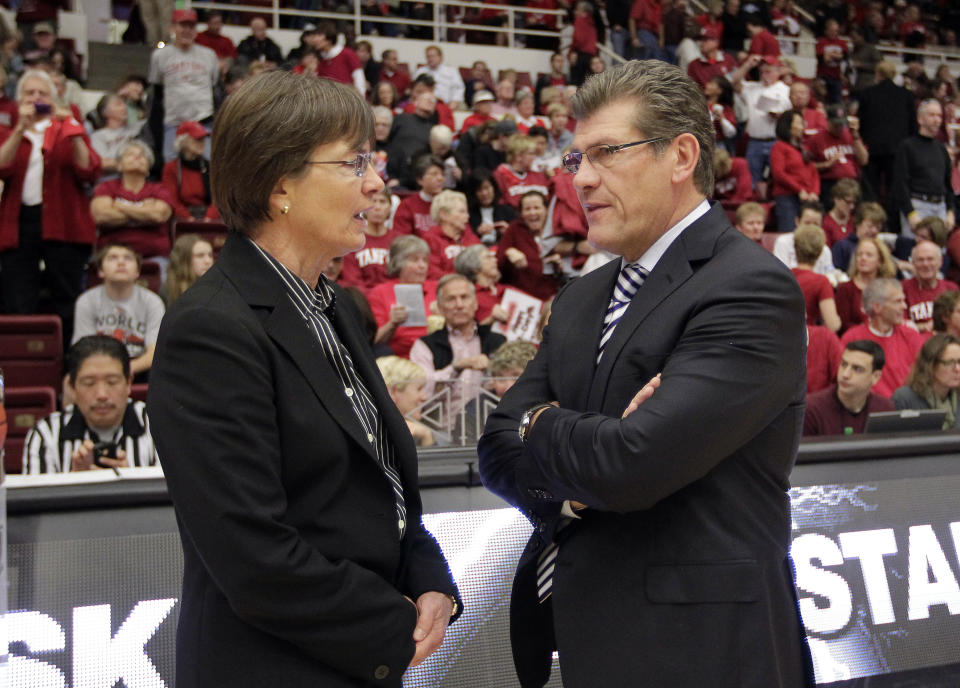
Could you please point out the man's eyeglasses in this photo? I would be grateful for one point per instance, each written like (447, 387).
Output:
(360, 163)
(601, 154)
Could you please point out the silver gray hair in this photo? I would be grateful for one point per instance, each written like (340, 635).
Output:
(404, 247)
(144, 148)
(36, 74)
(470, 260)
(877, 292)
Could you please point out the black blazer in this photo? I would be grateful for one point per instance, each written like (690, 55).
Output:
(294, 573)
(678, 574)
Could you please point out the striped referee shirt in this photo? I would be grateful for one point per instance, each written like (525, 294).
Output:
(317, 307)
(50, 443)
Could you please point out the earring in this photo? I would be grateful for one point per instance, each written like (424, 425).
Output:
(284, 209)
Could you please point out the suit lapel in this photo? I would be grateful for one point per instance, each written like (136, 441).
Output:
(586, 318)
(695, 243)
(261, 287)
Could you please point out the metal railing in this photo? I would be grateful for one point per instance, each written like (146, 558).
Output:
(441, 23)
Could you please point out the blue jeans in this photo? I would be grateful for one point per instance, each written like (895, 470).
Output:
(787, 209)
(620, 39)
(649, 48)
(758, 155)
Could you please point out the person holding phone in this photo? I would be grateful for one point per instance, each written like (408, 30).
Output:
(45, 160)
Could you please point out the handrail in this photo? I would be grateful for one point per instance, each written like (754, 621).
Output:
(439, 21)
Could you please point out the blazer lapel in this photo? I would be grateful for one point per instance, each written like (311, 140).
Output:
(258, 284)
(586, 323)
(696, 242)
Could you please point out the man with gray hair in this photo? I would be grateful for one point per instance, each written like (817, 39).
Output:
(660, 512)
(922, 173)
(458, 352)
(885, 306)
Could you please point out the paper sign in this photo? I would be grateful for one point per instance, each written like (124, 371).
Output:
(523, 316)
(410, 296)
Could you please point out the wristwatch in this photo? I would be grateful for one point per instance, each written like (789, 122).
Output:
(527, 418)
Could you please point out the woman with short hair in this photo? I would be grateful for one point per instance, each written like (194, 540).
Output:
(479, 265)
(452, 232)
(934, 380)
(293, 476)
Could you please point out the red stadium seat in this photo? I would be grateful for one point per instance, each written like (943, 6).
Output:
(24, 406)
(31, 350)
(214, 232)
(138, 392)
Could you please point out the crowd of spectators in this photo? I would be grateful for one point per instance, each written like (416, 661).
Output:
(861, 161)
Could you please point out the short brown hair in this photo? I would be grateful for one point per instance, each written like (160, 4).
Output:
(870, 211)
(808, 240)
(745, 210)
(668, 103)
(268, 129)
(102, 253)
(943, 307)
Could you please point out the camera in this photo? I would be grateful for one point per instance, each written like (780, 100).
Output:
(42, 108)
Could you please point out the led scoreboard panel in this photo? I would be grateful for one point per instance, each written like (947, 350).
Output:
(94, 573)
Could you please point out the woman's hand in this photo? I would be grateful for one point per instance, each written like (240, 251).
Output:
(398, 314)
(516, 257)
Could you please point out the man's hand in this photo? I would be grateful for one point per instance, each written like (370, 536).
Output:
(478, 362)
(82, 459)
(433, 615)
(645, 393)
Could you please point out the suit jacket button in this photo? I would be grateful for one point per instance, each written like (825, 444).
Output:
(542, 527)
(382, 672)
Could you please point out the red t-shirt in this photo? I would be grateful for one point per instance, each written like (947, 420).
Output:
(219, 44)
(512, 186)
(413, 216)
(584, 35)
(487, 299)
(823, 357)
(849, 307)
(443, 249)
(834, 230)
(382, 297)
(824, 145)
(648, 14)
(444, 113)
(399, 79)
(815, 288)
(790, 173)
(736, 187)
(920, 300)
(475, 120)
(340, 67)
(147, 240)
(814, 121)
(367, 267)
(832, 47)
(703, 69)
(539, 18)
(766, 44)
(899, 348)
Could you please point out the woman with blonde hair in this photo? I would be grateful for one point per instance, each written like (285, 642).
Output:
(871, 259)
(515, 177)
(406, 382)
(190, 257)
(452, 232)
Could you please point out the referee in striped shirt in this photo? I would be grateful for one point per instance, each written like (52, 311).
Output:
(103, 415)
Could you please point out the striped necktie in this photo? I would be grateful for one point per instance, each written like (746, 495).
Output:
(630, 279)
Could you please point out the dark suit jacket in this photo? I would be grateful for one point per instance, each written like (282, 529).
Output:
(677, 575)
(888, 114)
(294, 573)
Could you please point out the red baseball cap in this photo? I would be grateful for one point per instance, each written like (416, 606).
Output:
(709, 33)
(184, 17)
(193, 130)
(772, 61)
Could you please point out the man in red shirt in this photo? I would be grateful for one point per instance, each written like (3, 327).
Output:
(762, 41)
(646, 29)
(925, 286)
(213, 39)
(843, 408)
(712, 61)
(838, 151)
(831, 52)
(390, 72)
(338, 62)
(885, 306)
(482, 104)
(814, 120)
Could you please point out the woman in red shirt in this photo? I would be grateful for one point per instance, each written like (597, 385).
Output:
(794, 176)
(872, 259)
(518, 253)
